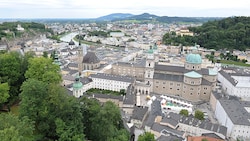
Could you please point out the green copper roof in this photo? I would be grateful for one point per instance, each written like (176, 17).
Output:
(212, 72)
(193, 74)
(194, 59)
(155, 47)
(78, 83)
(150, 51)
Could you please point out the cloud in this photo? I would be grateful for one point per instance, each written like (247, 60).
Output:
(96, 8)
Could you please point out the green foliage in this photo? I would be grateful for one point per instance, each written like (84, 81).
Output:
(12, 69)
(184, 112)
(102, 123)
(98, 33)
(100, 91)
(15, 129)
(45, 54)
(7, 29)
(122, 91)
(199, 115)
(4, 92)
(44, 70)
(56, 115)
(147, 136)
(204, 139)
(231, 33)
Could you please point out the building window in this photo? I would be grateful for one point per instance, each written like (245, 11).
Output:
(178, 84)
(157, 81)
(193, 67)
(163, 82)
(191, 93)
(192, 82)
(204, 93)
(205, 88)
(163, 87)
(171, 84)
(178, 89)
(156, 86)
(171, 88)
(191, 89)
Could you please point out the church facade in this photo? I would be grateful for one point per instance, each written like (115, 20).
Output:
(190, 82)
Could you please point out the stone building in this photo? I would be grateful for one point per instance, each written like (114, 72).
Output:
(191, 82)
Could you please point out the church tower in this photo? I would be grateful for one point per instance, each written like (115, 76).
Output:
(80, 58)
(149, 68)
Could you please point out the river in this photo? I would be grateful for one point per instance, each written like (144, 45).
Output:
(68, 37)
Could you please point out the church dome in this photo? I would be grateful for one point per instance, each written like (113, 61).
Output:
(71, 43)
(193, 59)
(78, 83)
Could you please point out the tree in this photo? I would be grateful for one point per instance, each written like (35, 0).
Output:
(4, 92)
(147, 136)
(44, 70)
(15, 129)
(10, 72)
(184, 112)
(102, 123)
(122, 91)
(199, 115)
(45, 54)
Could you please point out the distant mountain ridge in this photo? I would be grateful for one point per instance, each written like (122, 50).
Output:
(114, 16)
(148, 17)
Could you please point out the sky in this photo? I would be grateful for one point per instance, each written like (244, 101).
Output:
(97, 8)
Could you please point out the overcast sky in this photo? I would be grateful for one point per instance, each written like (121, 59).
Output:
(97, 8)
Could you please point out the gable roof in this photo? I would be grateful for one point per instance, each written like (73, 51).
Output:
(90, 57)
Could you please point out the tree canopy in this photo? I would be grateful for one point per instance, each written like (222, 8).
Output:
(44, 70)
(199, 115)
(15, 129)
(231, 33)
(184, 112)
(147, 136)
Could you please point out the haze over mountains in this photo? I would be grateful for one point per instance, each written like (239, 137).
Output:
(148, 16)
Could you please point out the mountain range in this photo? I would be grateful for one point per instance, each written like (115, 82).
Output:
(151, 17)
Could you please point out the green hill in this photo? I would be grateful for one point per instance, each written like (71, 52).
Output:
(229, 33)
(9, 29)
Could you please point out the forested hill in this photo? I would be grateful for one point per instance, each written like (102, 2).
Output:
(9, 29)
(229, 33)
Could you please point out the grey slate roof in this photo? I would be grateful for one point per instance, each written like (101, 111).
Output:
(113, 77)
(130, 96)
(228, 77)
(90, 57)
(73, 65)
(85, 80)
(169, 68)
(179, 69)
(236, 111)
(170, 77)
(190, 120)
(166, 130)
(155, 111)
(205, 82)
(139, 64)
(139, 113)
(169, 138)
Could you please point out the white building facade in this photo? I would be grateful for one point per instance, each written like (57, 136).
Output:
(233, 115)
(111, 82)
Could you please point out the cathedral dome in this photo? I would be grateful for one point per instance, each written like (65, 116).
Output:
(71, 43)
(193, 59)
